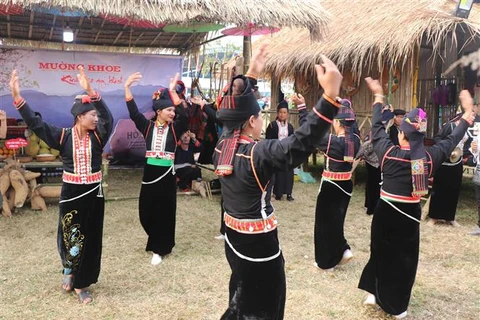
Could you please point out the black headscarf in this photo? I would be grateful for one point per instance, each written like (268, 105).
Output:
(233, 112)
(82, 104)
(414, 126)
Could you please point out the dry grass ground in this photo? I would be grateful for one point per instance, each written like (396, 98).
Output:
(192, 283)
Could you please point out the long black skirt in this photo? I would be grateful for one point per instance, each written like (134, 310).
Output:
(257, 289)
(332, 204)
(372, 188)
(447, 183)
(158, 207)
(391, 270)
(80, 229)
(283, 183)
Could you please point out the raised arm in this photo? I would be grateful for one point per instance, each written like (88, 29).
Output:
(48, 133)
(293, 150)
(443, 132)
(299, 101)
(380, 140)
(137, 117)
(442, 150)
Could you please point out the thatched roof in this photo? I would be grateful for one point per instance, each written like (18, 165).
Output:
(94, 29)
(364, 33)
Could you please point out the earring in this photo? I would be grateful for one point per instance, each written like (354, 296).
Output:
(250, 135)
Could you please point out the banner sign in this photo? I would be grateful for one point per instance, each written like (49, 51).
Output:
(48, 81)
(16, 143)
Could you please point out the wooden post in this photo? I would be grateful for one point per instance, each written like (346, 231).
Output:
(105, 163)
(247, 53)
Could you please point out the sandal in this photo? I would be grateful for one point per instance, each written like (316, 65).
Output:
(67, 283)
(85, 297)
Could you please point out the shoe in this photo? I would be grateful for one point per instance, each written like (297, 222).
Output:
(278, 198)
(85, 296)
(326, 270)
(289, 197)
(454, 223)
(475, 232)
(156, 259)
(370, 300)
(347, 256)
(220, 237)
(401, 315)
(432, 222)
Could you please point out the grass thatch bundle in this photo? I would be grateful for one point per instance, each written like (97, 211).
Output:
(306, 13)
(368, 34)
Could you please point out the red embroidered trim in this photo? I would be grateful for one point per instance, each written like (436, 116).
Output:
(19, 103)
(322, 116)
(332, 101)
(339, 176)
(82, 178)
(160, 155)
(253, 226)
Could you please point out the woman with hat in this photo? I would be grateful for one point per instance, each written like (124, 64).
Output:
(447, 181)
(158, 195)
(246, 168)
(390, 273)
(331, 247)
(81, 201)
(397, 120)
(280, 129)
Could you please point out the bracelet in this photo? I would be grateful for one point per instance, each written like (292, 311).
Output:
(377, 95)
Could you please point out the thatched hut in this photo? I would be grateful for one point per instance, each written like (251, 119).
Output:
(406, 43)
(134, 24)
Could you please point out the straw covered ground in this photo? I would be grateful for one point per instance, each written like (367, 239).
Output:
(192, 283)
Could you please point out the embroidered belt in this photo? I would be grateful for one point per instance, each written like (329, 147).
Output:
(397, 198)
(251, 226)
(336, 175)
(160, 155)
(82, 178)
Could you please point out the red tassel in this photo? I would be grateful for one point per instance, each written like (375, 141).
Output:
(86, 99)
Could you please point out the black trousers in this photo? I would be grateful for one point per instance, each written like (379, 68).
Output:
(257, 290)
(330, 213)
(186, 175)
(372, 188)
(392, 267)
(80, 230)
(158, 208)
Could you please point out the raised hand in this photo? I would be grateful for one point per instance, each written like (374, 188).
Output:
(84, 81)
(257, 62)
(374, 85)
(171, 87)
(173, 82)
(134, 77)
(15, 86)
(467, 104)
(297, 99)
(198, 101)
(329, 77)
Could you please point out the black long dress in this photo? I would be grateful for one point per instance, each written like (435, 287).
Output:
(283, 179)
(332, 202)
(158, 194)
(257, 284)
(80, 225)
(447, 183)
(392, 267)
